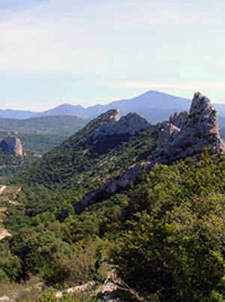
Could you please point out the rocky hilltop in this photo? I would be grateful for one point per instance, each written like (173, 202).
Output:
(12, 145)
(112, 124)
(186, 134)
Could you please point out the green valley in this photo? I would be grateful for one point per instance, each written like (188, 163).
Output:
(55, 125)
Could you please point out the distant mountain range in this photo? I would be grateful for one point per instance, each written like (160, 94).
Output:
(154, 106)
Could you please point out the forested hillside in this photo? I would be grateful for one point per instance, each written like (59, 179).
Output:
(160, 238)
(165, 233)
(85, 157)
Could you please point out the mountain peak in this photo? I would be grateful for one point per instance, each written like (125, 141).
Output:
(188, 133)
(69, 106)
(112, 115)
(112, 124)
(200, 103)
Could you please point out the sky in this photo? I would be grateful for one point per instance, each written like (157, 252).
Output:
(95, 51)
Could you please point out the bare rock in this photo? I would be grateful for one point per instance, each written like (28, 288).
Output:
(110, 187)
(112, 124)
(186, 134)
(179, 119)
(189, 133)
(107, 292)
(108, 120)
(4, 299)
(84, 287)
(12, 145)
(4, 233)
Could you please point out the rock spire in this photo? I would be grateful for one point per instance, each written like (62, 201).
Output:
(188, 133)
(112, 124)
(12, 145)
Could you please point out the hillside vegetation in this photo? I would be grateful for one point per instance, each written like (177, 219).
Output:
(166, 234)
(84, 158)
(162, 236)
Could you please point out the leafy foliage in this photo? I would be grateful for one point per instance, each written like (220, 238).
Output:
(174, 244)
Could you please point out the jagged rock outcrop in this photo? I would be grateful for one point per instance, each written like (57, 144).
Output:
(12, 145)
(179, 119)
(186, 134)
(112, 186)
(112, 124)
(108, 120)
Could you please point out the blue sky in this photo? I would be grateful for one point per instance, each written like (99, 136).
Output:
(96, 51)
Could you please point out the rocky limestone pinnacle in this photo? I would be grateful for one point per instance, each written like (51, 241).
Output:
(112, 124)
(108, 119)
(112, 115)
(188, 133)
(12, 145)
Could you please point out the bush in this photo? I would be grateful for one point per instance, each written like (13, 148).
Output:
(174, 248)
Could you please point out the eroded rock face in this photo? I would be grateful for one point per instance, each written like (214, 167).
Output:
(112, 124)
(111, 186)
(179, 119)
(108, 121)
(188, 133)
(12, 145)
(129, 124)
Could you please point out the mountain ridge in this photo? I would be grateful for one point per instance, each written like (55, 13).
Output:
(95, 144)
(186, 134)
(167, 104)
(153, 105)
(101, 186)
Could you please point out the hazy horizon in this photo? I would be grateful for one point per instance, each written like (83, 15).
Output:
(98, 103)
